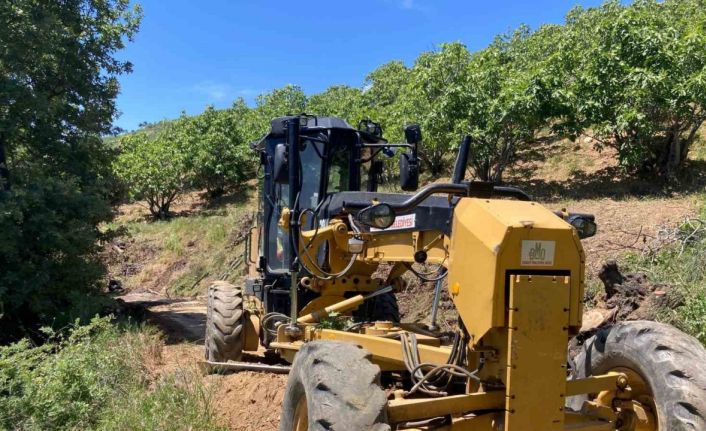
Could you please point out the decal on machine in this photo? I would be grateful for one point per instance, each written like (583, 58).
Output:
(537, 253)
(407, 221)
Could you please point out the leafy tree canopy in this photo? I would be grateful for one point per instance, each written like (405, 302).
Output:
(58, 82)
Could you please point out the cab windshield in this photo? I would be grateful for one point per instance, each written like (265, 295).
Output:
(309, 195)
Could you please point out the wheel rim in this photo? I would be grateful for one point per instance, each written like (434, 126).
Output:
(301, 416)
(638, 414)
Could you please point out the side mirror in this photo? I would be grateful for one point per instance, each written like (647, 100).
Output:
(380, 216)
(370, 127)
(409, 172)
(413, 134)
(280, 169)
(409, 165)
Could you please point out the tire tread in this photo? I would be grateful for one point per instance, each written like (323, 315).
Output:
(224, 322)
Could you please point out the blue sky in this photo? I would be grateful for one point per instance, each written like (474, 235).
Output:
(189, 54)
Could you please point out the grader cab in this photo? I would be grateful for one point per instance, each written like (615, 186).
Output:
(329, 251)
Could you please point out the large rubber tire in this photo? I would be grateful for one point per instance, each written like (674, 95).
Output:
(671, 363)
(340, 386)
(383, 307)
(224, 322)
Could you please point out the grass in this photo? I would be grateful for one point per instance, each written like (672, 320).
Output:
(682, 266)
(98, 377)
(182, 255)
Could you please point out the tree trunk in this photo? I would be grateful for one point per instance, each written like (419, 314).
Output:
(482, 170)
(4, 170)
(498, 174)
(675, 151)
(435, 162)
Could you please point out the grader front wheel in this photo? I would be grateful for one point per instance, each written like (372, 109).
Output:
(334, 386)
(666, 372)
(224, 323)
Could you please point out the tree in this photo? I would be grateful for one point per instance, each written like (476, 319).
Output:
(638, 81)
(434, 96)
(58, 82)
(339, 101)
(505, 103)
(217, 150)
(488, 95)
(288, 100)
(382, 92)
(155, 168)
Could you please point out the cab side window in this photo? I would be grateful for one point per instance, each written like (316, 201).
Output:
(339, 175)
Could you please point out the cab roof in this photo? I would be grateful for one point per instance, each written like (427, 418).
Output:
(311, 123)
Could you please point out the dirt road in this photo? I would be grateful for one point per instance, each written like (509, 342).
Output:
(244, 401)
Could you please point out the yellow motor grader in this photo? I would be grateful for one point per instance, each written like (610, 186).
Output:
(328, 253)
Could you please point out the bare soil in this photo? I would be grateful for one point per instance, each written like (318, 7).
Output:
(243, 401)
(627, 225)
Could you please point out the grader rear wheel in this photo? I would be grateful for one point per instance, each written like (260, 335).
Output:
(224, 322)
(666, 371)
(333, 386)
(383, 307)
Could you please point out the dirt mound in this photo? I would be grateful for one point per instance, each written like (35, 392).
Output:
(249, 401)
(627, 297)
(631, 296)
(416, 300)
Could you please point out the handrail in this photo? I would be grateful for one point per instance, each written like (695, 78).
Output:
(468, 189)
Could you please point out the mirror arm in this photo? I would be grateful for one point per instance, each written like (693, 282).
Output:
(410, 146)
(462, 160)
(425, 192)
(419, 197)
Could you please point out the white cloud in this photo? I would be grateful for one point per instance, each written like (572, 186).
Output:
(213, 90)
(248, 92)
(409, 5)
(219, 91)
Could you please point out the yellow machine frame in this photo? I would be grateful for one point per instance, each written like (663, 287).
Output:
(516, 277)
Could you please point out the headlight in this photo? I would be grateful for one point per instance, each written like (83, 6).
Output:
(380, 216)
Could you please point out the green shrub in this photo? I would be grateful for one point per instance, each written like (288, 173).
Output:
(48, 244)
(683, 266)
(96, 377)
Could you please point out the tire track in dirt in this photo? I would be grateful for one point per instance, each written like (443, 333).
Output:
(243, 401)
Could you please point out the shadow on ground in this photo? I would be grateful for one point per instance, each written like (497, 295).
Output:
(612, 182)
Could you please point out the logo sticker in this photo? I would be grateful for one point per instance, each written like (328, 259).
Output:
(538, 253)
(407, 221)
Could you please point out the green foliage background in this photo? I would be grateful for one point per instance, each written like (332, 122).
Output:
(58, 83)
(630, 76)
